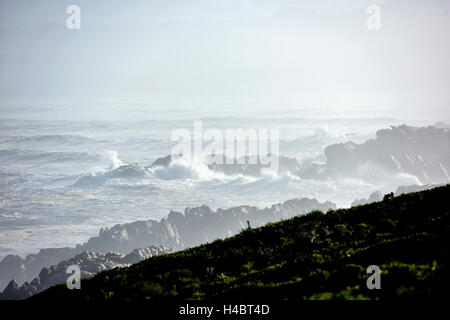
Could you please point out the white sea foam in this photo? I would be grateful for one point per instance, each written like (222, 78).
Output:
(183, 169)
(111, 159)
(50, 174)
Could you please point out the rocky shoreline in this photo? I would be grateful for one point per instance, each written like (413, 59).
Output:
(117, 245)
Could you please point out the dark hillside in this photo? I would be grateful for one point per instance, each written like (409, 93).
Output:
(315, 256)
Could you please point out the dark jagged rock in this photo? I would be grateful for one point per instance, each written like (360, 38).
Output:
(89, 263)
(378, 196)
(210, 225)
(374, 197)
(198, 225)
(20, 269)
(415, 188)
(422, 152)
(315, 256)
(11, 291)
(162, 162)
(126, 237)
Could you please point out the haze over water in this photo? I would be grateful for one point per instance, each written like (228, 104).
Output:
(83, 114)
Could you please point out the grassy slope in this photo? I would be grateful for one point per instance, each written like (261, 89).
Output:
(317, 256)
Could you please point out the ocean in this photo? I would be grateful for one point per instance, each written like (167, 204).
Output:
(66, 171)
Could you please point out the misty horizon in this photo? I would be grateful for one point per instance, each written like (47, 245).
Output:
(308, 133)
(288, 55)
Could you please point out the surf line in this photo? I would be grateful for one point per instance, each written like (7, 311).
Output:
(234, 146)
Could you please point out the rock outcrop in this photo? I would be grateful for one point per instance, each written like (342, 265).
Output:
(122, 238)
(421, 152)
(378, 196)
(210, 225)
(178, 231)
(125, 237)
(89, 263)
(374, 197)
(24, 269)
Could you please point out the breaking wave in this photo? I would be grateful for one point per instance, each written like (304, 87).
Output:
(182, 169)
(124, 172)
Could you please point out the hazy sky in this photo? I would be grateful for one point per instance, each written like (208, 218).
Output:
(284, 50)
(32, 12)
